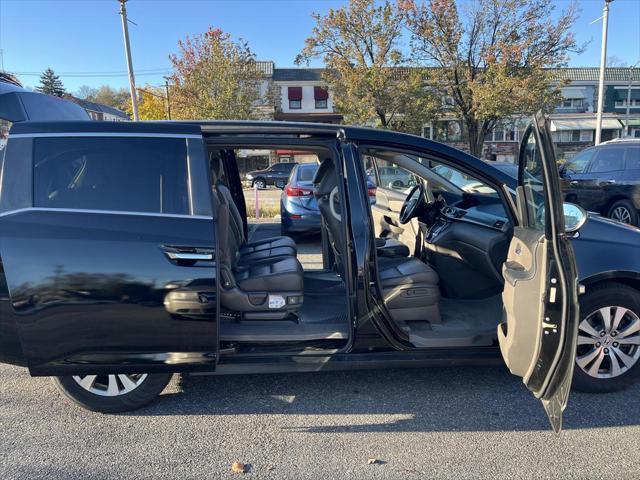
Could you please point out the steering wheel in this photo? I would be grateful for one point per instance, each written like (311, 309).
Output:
(411, 203)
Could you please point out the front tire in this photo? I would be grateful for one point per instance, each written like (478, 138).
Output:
(260, 183)
(623, 211)
(608, 355)
(112, 393)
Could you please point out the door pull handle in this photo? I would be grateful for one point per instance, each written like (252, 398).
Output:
(203, 257)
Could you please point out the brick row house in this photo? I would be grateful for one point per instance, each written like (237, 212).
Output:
(300, 94)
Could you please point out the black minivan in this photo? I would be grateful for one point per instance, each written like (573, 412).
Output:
(125, 257)
(606, 179)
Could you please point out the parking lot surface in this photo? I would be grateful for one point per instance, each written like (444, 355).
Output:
(472, 422)
(418, 423)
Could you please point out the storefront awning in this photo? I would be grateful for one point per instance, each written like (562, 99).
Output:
(295, 93)
(634, 122)
(320, 93)
(573, 93)
(583, 124)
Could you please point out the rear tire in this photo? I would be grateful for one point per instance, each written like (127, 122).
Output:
(623, 211)
(100, 395)
(603, 378)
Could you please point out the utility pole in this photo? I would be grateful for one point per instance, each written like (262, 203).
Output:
(603, 64)
(627, 127)
(166, 87)
(127, 51)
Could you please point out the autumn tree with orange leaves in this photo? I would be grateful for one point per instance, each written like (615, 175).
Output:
(491, 56)
(214, 77)
(360, 45)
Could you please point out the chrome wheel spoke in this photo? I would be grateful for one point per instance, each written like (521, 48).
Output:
(584, 340)
(615, 364)
(87, 382)
(605, 313)
(619, 314)
(629, 340)
(586, 327)
(595, 367)
(630, 330)
(587, 358)
(112, 387)
(627, 360)
(127, 383)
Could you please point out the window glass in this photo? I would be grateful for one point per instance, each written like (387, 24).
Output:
(116, 173)
(393, 177)
(608, 160)
(307, 172)
(632, 156)
(533, 183)
(462, 180)
(5, 126)
(578, 164)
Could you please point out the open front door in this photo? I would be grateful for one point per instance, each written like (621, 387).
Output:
(538, 337)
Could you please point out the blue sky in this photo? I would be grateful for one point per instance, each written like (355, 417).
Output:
(84, 37)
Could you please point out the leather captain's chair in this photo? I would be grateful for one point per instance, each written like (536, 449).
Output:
(409, 286)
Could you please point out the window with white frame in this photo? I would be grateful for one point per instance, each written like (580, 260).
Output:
(572, 103)
(635, 103)
(503, 132)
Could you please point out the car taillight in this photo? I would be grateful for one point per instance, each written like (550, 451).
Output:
(297, 192)
(372, 191)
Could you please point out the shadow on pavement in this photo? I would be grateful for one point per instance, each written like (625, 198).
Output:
(408, 400)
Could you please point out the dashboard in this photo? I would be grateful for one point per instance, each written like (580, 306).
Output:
(469, 240)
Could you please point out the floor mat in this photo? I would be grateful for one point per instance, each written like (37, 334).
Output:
(482, 314)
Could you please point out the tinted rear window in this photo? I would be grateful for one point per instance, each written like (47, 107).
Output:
(633, 158)
(118, 174)
(608, 159)
(306, 172)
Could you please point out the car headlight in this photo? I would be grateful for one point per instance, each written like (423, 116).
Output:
(249, 176)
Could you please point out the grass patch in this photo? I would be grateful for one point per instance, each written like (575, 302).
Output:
(265, 212)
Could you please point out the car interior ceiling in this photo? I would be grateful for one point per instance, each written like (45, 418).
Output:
(444, 292)
(266, 295)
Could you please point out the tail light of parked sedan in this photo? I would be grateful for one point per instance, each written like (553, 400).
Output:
(297, 191)
(372, 191)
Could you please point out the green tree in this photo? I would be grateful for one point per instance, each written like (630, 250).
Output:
(51, 84)
(359, 44)
(214, 77)
(493, 60)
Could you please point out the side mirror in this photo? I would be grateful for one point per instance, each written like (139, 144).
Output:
(280, 184)
(574, 217)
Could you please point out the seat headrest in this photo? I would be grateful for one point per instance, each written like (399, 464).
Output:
(325, 179)
(216, 165)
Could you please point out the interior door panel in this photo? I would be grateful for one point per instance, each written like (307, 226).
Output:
(539, 333)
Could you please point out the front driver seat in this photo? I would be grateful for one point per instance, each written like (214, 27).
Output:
(409, 286)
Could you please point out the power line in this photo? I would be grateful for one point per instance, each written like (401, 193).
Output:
(94, 74)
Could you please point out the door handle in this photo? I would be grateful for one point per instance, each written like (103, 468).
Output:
(205, 257)
(188, 255)
(574, 182)
(609, 182)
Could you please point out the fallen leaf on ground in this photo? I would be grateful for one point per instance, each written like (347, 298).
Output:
(238, 467)
(373, 461)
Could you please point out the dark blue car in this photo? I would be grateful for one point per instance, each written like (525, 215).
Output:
(298, 208)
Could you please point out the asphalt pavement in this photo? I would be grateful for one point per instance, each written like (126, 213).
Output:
(471, 422)
(417, 423)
